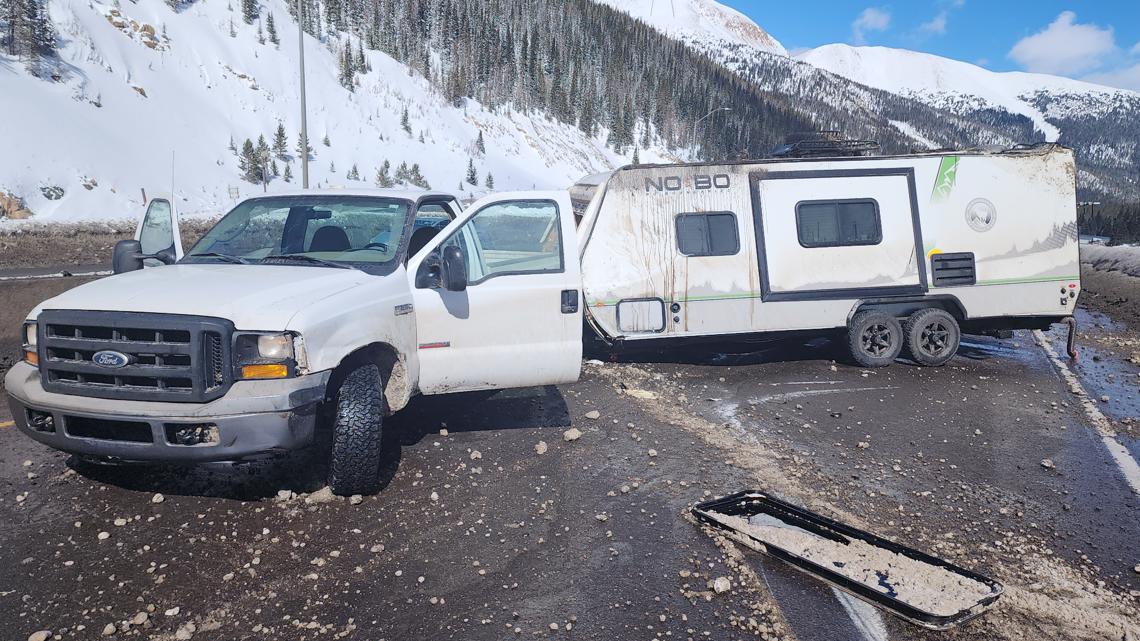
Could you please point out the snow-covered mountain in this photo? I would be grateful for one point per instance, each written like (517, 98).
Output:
(964, 88)
(148, 97)
(147, 94)
(703, 23)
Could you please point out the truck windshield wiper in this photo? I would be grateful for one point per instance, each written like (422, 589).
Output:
(237, 260)
(305, 259)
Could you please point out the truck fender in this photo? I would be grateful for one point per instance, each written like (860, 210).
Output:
(393, 371)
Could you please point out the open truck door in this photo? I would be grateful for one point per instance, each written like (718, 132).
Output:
(157, 240)
(497, 296)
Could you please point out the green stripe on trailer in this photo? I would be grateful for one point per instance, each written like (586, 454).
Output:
(945, 180)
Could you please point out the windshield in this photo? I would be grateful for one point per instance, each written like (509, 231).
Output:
(322, 231)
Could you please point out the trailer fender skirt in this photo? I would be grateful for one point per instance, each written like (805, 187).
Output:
(1071, 343)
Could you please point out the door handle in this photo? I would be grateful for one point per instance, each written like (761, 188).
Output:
(569, 301)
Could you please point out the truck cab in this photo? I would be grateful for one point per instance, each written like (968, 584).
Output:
(302, 316)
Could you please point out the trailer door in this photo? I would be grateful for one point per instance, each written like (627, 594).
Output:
(837, 234)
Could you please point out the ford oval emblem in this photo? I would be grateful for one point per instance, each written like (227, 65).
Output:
(111, 360)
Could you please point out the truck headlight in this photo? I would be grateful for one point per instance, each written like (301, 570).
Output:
(264, 356)
(30, 340)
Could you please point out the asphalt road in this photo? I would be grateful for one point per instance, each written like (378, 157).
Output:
(476, 535)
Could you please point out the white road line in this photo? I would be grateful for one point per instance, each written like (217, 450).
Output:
(1120, 455)
(865, 617)
(105, 272)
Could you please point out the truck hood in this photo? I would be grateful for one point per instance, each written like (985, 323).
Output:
(254, 297)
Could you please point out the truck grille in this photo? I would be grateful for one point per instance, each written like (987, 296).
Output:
(168, 357)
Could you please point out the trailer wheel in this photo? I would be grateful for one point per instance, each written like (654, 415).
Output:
(932, 337)
(354, 466)
(875, 338)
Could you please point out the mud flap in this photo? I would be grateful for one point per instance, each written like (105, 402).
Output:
(1071, 343)
(970, 593)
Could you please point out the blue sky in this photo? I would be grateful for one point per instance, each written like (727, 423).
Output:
(1092, 40)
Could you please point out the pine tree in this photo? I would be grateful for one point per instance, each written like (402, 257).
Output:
(303, 150)
(354, 173)
(232, 146)
(288, 173)
(383, 179)
(325, 141)
(332, 166)
(280, 143)
(347, 75)
(405, 122)
(249, 164)
(417, 178)
(249, 10)
(274, 170)
(402, 175)
(490, 182)
(636, 158)
(263, 153)
(472, 174)
(480, 146)
(233, 31)
(271, 29)
(260, 35)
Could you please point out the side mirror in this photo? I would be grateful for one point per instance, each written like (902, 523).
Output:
(453, 269)
(128, 256)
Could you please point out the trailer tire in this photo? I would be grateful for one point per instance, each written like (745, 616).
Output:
(932, 337)
(874, 338)
(354, 462)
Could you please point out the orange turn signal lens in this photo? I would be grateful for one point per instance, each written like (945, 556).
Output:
(32, 358)
(265, 371)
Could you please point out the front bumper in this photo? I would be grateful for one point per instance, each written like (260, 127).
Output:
(255, 418)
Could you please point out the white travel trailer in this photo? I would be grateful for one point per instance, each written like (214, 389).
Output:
(899, 251)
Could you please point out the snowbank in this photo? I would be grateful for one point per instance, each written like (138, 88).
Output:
(1122, 259)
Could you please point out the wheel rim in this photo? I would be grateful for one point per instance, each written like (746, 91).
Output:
(935, 339)
(877, 339)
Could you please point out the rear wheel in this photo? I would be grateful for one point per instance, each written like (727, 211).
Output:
(874, 338)
(932, 337)
(354, 466)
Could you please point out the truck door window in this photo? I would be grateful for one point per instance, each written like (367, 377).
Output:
(707, 234)
(157, 232)
(838, 223)
(517, 237)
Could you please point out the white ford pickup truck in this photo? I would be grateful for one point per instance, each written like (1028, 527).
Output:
(296, 307)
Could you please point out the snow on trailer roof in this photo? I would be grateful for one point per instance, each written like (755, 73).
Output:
(991, 150)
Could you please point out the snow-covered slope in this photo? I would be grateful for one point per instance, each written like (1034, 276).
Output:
(964, 88)
(146, 92)
(704, 23)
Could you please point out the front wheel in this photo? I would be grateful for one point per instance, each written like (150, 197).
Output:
(874, 338)
(932, 337)
(354, 467)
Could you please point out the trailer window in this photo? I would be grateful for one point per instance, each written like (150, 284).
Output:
(838, 223)
(711, 234)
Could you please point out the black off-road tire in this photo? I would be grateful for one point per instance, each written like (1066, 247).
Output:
(874, 338)
(354, 464)
(932, 337)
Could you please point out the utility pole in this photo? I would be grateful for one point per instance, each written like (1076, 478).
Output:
(693, 144)
(304, 121)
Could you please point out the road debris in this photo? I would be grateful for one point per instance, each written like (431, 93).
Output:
(721, 585)
(593, 415)
(571, 434)
(908, 583)
(540, 448)
(1048, 464)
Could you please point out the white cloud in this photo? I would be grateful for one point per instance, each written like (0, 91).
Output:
(1135, 49)
(936, 25)
(871, 20)
(1065, 47)
(1125, 78)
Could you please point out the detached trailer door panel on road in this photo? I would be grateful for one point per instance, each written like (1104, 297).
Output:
(837, 234)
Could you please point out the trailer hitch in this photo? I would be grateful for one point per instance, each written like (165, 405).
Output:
(1071, 344)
